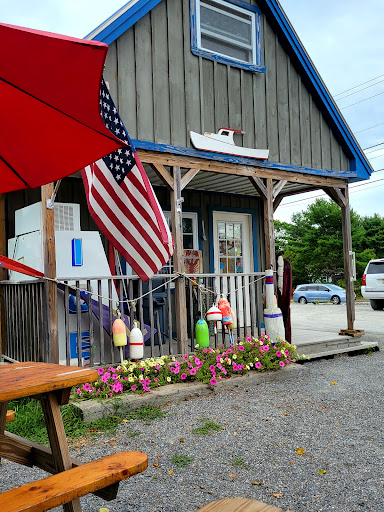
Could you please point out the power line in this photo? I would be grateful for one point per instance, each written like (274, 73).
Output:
(363, 83)
(369, 147)
(377, 156)
(363, 89)
(369, 128)
(365, 99)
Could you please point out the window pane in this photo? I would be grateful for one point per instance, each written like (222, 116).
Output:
(238, 248)
(221, 227)
(187, 225)
(188, 242)
(223, 265)
(223, 24)
(238, 230)
(229, 231)
(239, 265)
(222, 248)
(231, 265)
(226, 48)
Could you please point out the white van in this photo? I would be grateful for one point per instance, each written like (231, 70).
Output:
(373, 284)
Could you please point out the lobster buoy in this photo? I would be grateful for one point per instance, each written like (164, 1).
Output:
(202, 333)
(119, 336)
(136, 343)
(214, 315)
(233, 325)
(227, 313)
(273, 317)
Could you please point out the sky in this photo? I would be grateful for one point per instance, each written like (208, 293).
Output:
(344, 38)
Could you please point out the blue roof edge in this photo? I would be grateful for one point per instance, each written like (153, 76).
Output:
(359, 166)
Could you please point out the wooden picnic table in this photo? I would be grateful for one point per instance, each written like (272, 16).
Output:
(51, 384)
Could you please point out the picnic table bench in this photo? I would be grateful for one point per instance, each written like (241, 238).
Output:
(51, 384)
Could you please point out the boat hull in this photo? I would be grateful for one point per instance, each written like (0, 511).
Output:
(206, 143)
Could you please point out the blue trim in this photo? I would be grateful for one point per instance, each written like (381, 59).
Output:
(258, 67)
(267, 164)
(229, 209)
(122, 23)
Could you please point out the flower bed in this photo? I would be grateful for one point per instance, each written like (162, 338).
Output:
(206, 365)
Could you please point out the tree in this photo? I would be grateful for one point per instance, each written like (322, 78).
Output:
(374, 235)
(314, 244)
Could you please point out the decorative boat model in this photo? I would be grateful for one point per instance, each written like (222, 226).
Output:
(223, 142)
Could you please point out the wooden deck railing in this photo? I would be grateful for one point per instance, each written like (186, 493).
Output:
(87, 309)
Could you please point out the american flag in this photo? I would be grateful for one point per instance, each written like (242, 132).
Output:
(123, 204)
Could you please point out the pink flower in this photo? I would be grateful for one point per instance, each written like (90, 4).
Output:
(197, 360)
(281, 363)
(185, 357)
(157, 367)
(218, 359)
(115, 376)
(176, 370)
(117, 387)
(100, 371)
(286, 353)
(105, 377)
(224, 371)
(212, 368)
(235, 367)
(219, 365)
(156, 379)
(278, 353)
(213, 381)
(183, 376)
(205, 350)
(193, 371)
(266, 348)
(258, 365)
(78, 391)
(241, 348)
(87, 386)
(248, 337)
(134, 387)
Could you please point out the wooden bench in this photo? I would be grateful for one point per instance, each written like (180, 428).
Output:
(73, 483)
(239, 505)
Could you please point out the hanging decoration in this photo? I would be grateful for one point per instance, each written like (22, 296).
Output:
(214, 315)
(202, 333)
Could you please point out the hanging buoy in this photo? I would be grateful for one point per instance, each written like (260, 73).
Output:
(214, 315)
(233, 325)
(225, 309)
(136, 343)
(273, 317)
(119, 336)
(202, 333)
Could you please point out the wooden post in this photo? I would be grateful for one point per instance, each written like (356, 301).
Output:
(48, 236)
(269, 231)
(178, 263)
(3, 273)
(347, 249)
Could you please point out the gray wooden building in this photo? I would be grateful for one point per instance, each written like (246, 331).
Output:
(176, 66)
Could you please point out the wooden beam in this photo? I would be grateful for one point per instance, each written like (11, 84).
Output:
(277, 201)
(259, 186)
(336, 195)
(153, 157)
(277, 188)
(48, 239)
(178, 263)
(163, 174)
(269, 232)
(188, 177)
(347, 250)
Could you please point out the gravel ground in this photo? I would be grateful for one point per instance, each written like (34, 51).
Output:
(339, 427)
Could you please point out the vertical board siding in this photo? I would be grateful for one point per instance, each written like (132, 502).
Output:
(164, 91)
(161, 83)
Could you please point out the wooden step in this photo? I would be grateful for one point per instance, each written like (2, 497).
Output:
(239, 505)
(74, 483)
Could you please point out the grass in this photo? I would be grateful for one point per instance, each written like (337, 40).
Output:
(207, 428)
(238, 462)
(29, 421)
(181, 460)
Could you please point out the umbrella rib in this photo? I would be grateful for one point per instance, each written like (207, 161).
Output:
(112, 137)
(13, 170)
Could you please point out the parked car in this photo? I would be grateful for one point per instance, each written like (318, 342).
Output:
(318, 292)
(373, 283)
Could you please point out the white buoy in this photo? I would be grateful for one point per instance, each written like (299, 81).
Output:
(273, 317)
(214, 315)
(136, 343)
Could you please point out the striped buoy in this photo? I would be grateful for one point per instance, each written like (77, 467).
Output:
(273, 317)
(136, 343)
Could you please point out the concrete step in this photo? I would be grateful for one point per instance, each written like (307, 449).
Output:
(338, 342)
(329, 348)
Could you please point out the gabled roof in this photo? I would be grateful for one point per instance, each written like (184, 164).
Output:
(134, 10)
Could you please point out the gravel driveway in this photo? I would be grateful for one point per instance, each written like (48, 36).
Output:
(331, 409)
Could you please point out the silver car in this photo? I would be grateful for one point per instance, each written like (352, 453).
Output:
(373, 284)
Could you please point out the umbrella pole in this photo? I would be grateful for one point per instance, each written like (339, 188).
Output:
(48, 231)
(3, 274)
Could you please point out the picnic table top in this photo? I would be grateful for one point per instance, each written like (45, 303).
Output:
(19, 380)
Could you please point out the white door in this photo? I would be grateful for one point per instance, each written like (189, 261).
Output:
(233, 254)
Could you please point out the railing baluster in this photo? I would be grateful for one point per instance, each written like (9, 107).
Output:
(110, 320)
(169, 317)
(253, 306)
(78, 323)
(66, 323)
(151, 317)
(91, 326)
(245, 303)
(237, 285)
(191, 318)
(260, 306)
(101, 323)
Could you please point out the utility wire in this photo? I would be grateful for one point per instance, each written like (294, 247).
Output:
(365, 99)
(356, 92)
(369, 128)
(363, 83)
(369, 147)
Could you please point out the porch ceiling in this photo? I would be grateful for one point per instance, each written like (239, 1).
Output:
(226, 183)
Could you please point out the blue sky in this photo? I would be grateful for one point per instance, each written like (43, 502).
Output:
(344, 38)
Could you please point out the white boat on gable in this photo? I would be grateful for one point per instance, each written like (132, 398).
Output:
(223, 142)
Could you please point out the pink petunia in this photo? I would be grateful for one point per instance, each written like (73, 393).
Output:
(86, 386)
(205, 350)
(100, 371)
(212, 368)
(278, 353)
(193, 371)
(213, 381)
(117, 387)
(224, 371)
(286, 353)
(78, 391)
(258, 365)
(115, 376)
(281, 363)
(241, 348)
(105, 377)
(134, 387)
(185, 357)
(156, 379)
(248, 337)
(183, 376)
(219, 365)
(266, 348)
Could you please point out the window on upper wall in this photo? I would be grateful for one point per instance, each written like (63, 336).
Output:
(227, 31)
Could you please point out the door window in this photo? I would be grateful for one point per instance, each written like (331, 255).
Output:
(231, 246)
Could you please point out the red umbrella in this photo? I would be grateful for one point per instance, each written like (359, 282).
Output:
(50, 123)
